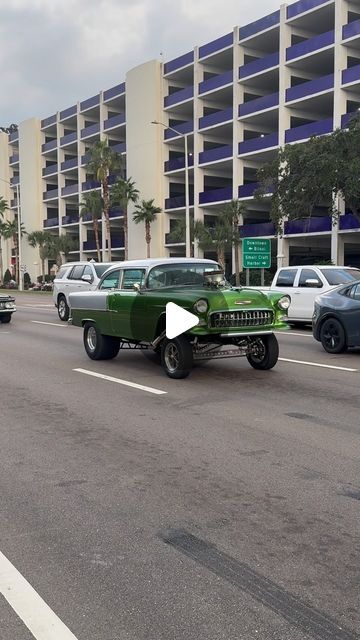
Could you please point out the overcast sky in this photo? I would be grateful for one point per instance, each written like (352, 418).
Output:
(56, 52)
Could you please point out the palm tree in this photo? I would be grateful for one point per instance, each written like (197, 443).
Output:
(44, 240)
(123, 192)
(103, 162)
(234, 212)
(3, 208)
(178, 233)
(92, 203)
(146, 212)
(218, 237)
(10, 231)
(63, 244)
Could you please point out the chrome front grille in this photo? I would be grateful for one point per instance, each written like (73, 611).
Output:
(235, 319)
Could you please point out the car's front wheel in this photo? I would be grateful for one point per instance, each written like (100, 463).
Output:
(5, 318)
(265, 353)
(332, 336)
(98, 346)
(63, 309)
(177, 357)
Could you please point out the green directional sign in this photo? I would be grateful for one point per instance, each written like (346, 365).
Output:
(256, 253)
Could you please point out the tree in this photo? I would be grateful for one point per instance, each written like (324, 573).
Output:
(103, 162)
(123, 192)
(10, 231)
(178, 233)
(233, 212)
(92, 203)
(44, 240)
(313, 173)
(146, 212)
(63, 244)
(3, 208)
(218, 237)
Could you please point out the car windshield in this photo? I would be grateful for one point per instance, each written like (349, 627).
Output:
(340, 276)
(101, 268)
(179, 275)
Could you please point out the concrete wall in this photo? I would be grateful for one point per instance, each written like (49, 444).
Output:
(144, 151)
(31, 190)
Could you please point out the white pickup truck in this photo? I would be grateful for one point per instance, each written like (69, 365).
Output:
(304, 283)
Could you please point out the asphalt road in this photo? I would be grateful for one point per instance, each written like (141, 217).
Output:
(227, 507)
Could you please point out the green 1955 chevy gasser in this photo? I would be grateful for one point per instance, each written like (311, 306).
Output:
(129, 308)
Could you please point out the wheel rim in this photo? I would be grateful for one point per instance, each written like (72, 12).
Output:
(91, 338)
(259, 352)
(331, 335)
(171, 357)
(62, 308)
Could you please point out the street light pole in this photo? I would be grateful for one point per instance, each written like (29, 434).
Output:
(19, 230)
(187, 194)
(19, 237)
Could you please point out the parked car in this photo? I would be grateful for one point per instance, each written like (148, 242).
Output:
(304, 283)
(336, 319)
(75, 276)
(129, 307)
(7, 308)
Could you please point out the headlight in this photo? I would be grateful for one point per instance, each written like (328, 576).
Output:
(9, 305)
(284, 303)
(201, 306)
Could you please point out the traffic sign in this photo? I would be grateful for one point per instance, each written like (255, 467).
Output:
(256, 253)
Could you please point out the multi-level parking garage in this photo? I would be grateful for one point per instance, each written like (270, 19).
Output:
(285, 77)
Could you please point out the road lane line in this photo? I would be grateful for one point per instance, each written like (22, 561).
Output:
(293, 333)
(126, 383)
(35, 306)
(52, 324)
(317, 364)
(41, 621)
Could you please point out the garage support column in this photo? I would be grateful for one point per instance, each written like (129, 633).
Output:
(282, 257)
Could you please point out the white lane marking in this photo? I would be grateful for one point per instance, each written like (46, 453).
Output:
(4, 332)
(293, 333)
(52, 324)
(126, 383)
(41, 621)
(35, 306)
(317, 364)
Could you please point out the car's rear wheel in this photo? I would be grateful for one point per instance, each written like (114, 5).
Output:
(177, 357)
(98, 346)
(5, 318)
(332, 336)
(265, 353)
(63, 309)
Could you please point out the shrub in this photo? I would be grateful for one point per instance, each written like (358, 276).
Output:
(7, 276)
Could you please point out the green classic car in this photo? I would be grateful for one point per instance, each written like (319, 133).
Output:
(128, 308)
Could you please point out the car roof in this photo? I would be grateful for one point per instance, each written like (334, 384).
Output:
(151, 262)
(319, 266)
(81, 262)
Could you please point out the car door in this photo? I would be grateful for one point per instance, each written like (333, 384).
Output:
(74, 282)
(350, 316)
(307, 286)
(284, 283)
(127, 304)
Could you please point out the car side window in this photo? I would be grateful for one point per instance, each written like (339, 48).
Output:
(131, 277)
(76, 272)
(309, 274)
(355, 292)
(286, 278)
(111, 280)
(60, 274)
(88, 272)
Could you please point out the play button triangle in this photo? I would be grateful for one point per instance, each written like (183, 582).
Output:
(178, 320)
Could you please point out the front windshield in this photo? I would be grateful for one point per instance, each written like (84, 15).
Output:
(179, 275)
(340, 276)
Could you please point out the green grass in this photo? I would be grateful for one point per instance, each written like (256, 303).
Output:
(16, 292)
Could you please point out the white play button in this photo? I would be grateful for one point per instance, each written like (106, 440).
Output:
(178, 320)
